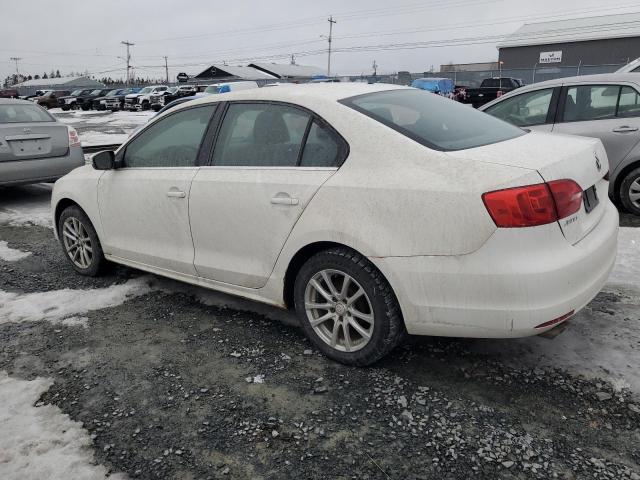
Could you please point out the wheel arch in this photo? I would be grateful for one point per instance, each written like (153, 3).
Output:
(62, 204)
(621, 175)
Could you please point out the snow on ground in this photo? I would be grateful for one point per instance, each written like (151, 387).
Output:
(56, 306)
(91, 138)
(102, 118)
(627, 269)
(30, 205)
(42, 442)
(9, 254)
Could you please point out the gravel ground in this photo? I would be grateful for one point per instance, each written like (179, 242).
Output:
(179, 383)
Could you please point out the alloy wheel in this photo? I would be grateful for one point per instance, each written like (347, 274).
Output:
(77, 242)
(339, 310)
(634, 192)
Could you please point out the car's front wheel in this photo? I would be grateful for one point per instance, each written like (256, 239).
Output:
(630, 192)
(347, 308)
(80, 242)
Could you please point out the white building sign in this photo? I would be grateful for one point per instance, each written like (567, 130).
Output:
(551, 57)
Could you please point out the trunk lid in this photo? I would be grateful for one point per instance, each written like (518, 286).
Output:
(557, 157)
(30, 141)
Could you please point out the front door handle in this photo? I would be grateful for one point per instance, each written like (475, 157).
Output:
(284, 199)
(625, 129)
(176, 194)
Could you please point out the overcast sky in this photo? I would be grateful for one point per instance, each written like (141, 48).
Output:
(84, 35)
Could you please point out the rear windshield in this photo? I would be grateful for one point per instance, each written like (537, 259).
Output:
(22, 113)
(432, 120)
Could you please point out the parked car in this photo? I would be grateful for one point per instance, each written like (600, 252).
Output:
(70, 102)
(116, 102)
(99, 103)
(490, 89)
(141, 99)
(175, 103)
(160, 99)
(605, 106)
(631, 67)
(85, 102)
(34, 146)
(227, 87)
(9, 93)
(50, 98)
(361, 228)
(441, 86)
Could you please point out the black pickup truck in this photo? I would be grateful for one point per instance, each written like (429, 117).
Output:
(490, 89)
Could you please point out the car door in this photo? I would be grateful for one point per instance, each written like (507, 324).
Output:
(534, 110)
(609, 112)
(268, 162)
(144, 202)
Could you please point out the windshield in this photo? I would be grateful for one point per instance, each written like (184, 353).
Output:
(212, 89)
(76, 92)
(432, 120)
(112, 93)
(146, 90)
(95, 92)
(172, 89)
(21, 113)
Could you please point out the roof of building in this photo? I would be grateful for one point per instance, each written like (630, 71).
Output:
(246, 73)
(50, 82)
(289, 71)
(575, 30)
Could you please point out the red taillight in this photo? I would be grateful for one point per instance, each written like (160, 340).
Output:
(521, 206)
(555, 320)
(567, 195)
(74, 140)
(533, 205)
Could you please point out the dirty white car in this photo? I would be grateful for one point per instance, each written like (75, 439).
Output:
(372, 210)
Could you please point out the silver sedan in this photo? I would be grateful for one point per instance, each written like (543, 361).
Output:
(34, 146)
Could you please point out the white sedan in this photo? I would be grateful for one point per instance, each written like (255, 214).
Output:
(373, 210)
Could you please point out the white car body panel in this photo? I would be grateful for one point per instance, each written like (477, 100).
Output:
(416, 213)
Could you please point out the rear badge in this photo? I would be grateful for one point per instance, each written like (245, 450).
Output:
(598, 164)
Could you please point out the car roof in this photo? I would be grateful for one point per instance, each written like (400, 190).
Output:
(296, 93)
(6, 101)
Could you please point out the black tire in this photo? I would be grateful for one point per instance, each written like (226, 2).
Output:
(65, 109)
(145, 105)
(625, 191)
(98, 261)
(388, 328)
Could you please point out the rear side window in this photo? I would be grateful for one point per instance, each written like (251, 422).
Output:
(629, 103)
(23, 113)
(260, 135)
(524, 110)
(432, 120)
(173, 141)
(591, 102)
(322, 148)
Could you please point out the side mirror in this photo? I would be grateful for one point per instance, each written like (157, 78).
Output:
(105, 160)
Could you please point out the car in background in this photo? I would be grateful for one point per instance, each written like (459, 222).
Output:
(9, 93)
(339, 201)
(604, 106)
(440, 86)
(141, 100)
(490, 89)
(34, 146)
(85, 102)
(98, 103)
(70, 102)
(217, 88)
(116, 102)
(175, 103)
(160, 99)
(631, 67)
(50, 98)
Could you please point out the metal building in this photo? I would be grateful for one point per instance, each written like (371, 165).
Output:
(63, 83)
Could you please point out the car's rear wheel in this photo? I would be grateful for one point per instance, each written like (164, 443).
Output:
(630, 192)
(80, 242)
(347, 308)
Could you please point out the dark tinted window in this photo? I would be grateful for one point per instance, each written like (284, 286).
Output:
(260, 134)
(322, 148)
(523, 110)
(432, 120)
(173, 141)
(629, 103)
(591, 102)
(23, 113)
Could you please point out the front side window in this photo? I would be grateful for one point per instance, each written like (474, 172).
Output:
(432, 120)
(524, 110)
(629, 103)
(591, 102)
(173, 141)
(260, 135)
(23, 113)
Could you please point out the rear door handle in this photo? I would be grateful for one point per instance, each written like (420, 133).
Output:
(176, 194)
(625, 129)
(284, 199)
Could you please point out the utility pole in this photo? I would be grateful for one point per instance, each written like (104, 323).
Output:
(166, 67)
(128, 44)
(293, 59)
(375, 68)
(331, 22)
(17, 59)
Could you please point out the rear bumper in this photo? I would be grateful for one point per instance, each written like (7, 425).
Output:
(519, 279)
(40, 170)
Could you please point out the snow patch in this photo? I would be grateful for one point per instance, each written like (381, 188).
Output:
(627, 268)
(9, 254)
(28, 205)
(101, 138)
(57, 305)
(42, 442)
